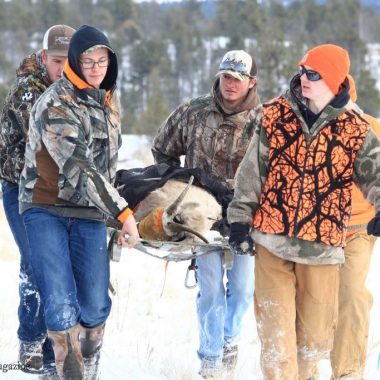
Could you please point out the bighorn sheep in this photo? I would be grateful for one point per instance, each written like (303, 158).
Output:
(189, 210)
(160, 195)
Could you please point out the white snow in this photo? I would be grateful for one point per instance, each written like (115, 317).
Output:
(152, 331)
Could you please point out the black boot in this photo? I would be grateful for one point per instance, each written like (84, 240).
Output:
(30, 356)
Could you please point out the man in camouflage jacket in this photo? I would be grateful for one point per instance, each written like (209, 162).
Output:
(34, 75)
(213, 133)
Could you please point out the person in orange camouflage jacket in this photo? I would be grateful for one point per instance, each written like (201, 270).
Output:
(351, 336)
(293, 198)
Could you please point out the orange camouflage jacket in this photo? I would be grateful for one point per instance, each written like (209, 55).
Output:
(307, 193)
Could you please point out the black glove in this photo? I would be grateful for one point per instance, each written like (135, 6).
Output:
(240, 242)
(373, 227)
(225, 200)
(222, 227)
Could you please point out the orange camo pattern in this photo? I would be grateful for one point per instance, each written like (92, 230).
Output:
(307, 193)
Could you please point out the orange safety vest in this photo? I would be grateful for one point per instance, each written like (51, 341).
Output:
(307, 193)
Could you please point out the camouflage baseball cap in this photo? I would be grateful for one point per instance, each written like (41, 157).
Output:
(56, 40)
(239, 64)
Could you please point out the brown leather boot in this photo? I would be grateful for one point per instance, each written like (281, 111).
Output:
(68, 357)
(91, 340)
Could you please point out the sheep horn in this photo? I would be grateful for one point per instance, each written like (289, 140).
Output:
(174, 227)
(173, 208)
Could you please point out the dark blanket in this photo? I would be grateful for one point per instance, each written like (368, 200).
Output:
(135, 184)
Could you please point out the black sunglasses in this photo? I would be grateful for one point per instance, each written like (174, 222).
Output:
(311, 75)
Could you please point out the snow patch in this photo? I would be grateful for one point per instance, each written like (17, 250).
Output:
(152, 331)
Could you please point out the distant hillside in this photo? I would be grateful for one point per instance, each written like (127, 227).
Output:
(209, 6)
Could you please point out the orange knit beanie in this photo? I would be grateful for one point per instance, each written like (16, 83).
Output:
(331, 62)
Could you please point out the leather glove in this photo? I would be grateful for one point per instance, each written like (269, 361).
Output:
(373, 227)
(240, 242)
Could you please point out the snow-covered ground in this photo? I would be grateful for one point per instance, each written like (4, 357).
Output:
(152, 333)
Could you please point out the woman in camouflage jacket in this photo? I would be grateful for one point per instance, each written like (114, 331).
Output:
(66, 193)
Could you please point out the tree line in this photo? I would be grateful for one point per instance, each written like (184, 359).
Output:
(169, 53)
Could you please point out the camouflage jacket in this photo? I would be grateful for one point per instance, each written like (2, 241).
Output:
(32, 80)
(253, 173)
(210, 139)
(71, 153)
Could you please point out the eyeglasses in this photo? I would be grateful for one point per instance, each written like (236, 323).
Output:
(239, 67)
(90, 64)
(311, 75)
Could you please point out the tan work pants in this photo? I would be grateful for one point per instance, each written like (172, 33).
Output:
(296, 308)
(351, 336)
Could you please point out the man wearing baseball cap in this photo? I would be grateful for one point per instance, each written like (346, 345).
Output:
(213, 133)
(34, 75)
(54, 49)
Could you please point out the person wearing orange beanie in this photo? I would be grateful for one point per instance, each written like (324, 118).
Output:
(293, 194)
(348, 355)
(331, 62)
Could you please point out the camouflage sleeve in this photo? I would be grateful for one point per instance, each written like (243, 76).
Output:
(64, 136)
(14, 127)
(249, 179)
(12, 138)
(374, 123)
(22, 100)
(169, 142)
(367, 169)
(12, 123)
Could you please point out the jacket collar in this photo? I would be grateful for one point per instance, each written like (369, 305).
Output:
(251, 101)
(83, 85)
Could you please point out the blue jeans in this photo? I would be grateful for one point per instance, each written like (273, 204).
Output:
(30, 311)
(70, 262)
(221, 309)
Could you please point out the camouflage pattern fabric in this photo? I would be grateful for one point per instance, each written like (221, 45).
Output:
(362, 211)
(210, 139)
(71, 154)
(253, 173)
(32, 80)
